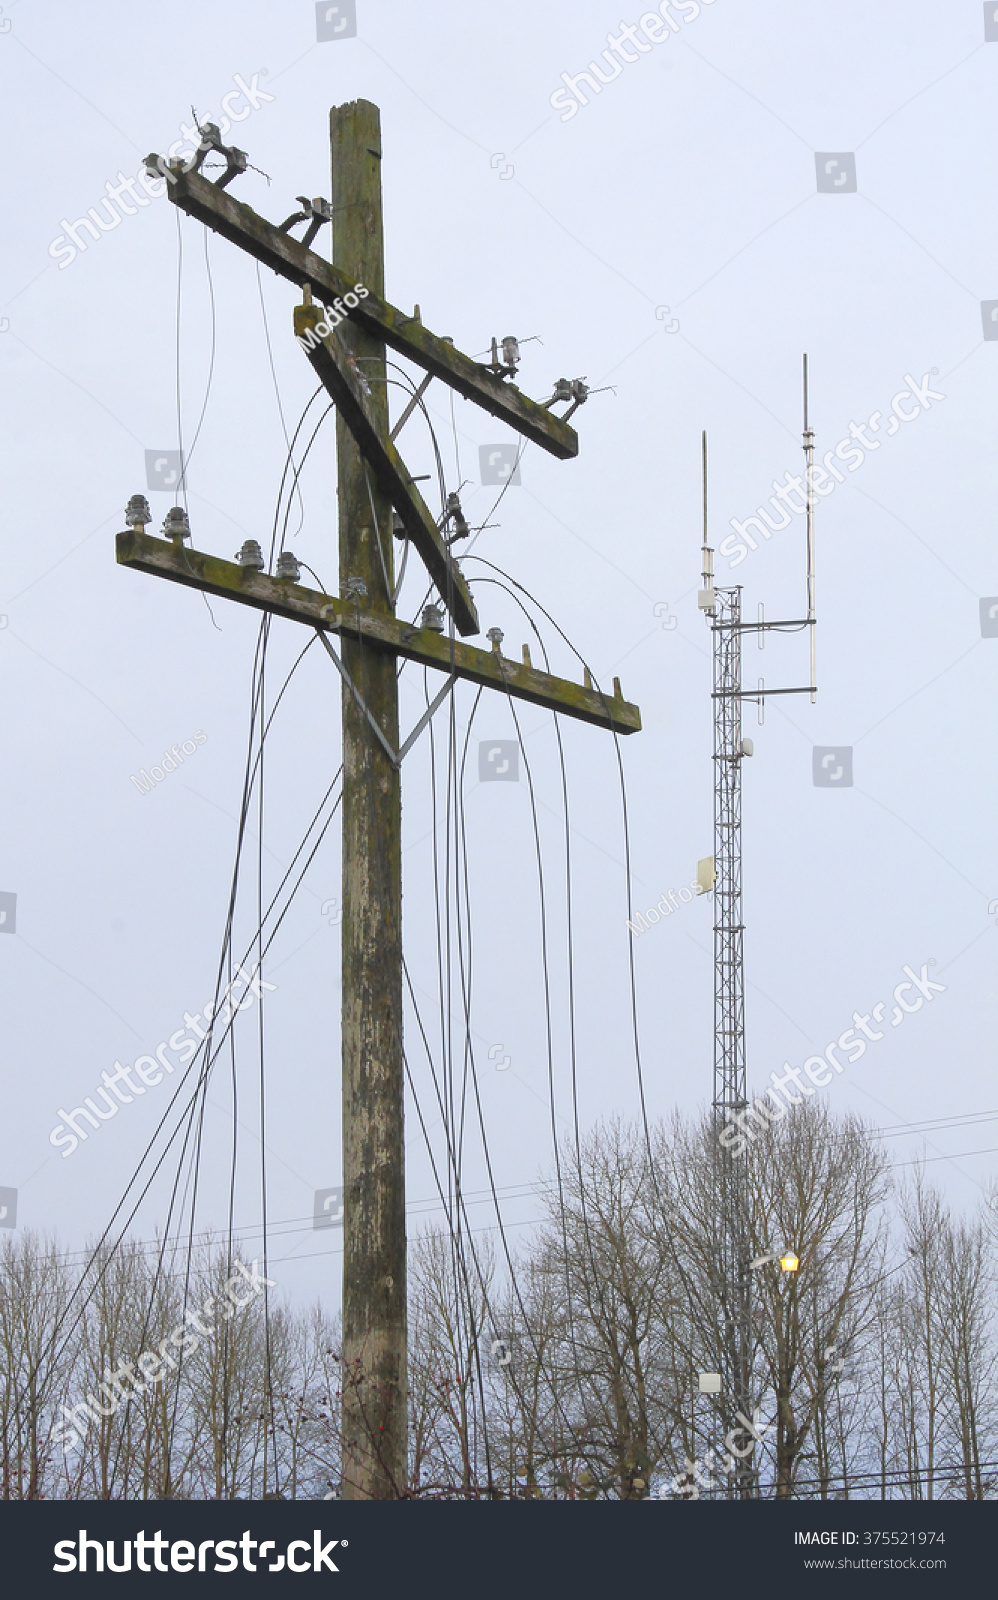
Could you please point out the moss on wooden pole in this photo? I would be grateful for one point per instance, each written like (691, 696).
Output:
(234, 220)
(374, 1258)
(197, 570)
(374, 1246)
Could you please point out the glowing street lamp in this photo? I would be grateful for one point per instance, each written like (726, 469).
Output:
(788, 1261)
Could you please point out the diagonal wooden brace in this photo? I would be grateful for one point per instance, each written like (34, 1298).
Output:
(333, 366)
(243, 226)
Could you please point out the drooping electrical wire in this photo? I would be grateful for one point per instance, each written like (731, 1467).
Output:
(195, 1109)
(194, 1113)
(573, 1055)
(628, 875)
(180, 424)
(453, 1122)
(186, 461)
(458, 1075)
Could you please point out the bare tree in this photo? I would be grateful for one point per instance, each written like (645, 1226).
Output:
(600, 1248)
(818, 1188)
(815, 1186)
(570, 1374)
(33, 1294)
(449, 1297)
(942, 1313)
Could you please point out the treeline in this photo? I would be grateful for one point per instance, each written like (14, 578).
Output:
(569, 1369)
(872, 1367)
(157, 1376)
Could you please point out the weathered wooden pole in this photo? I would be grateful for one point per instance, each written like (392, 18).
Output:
(374, 1245)
(349, 359)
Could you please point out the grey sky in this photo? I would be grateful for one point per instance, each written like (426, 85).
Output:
(684, 193)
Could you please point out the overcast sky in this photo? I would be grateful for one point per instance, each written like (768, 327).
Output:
(673, 240)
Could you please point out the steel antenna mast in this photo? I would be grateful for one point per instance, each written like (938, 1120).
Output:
(732, 1281)
(733, 1254)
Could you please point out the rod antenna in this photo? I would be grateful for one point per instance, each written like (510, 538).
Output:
(706, 552)
(809, 482)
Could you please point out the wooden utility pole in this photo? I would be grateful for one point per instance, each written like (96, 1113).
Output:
(346, 347)
(374, 1268)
